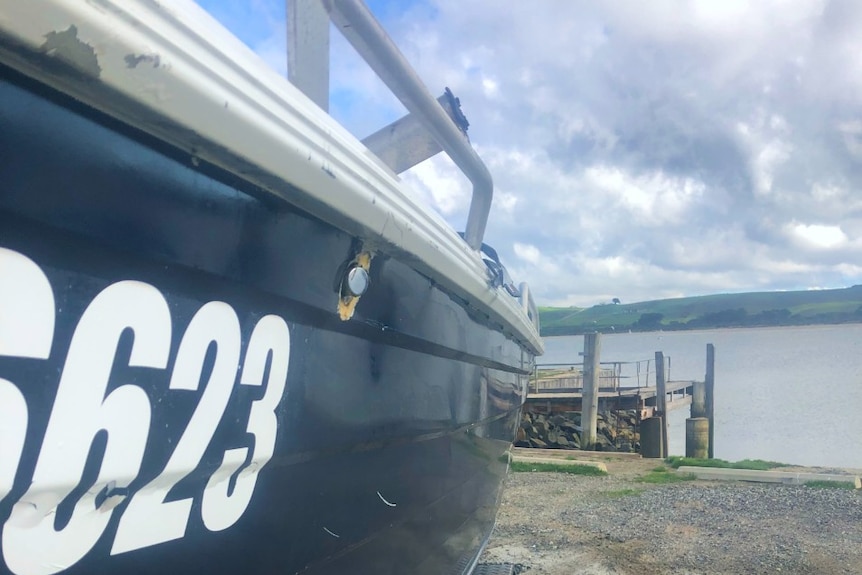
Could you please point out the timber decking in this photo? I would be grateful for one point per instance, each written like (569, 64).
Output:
(641, 398)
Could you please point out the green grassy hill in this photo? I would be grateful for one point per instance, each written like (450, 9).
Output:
(711, 311)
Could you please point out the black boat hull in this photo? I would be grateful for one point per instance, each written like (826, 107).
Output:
(179, 298)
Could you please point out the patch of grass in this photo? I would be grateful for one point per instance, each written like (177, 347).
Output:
(659, 469)
(557, 468)
(618, 493)
(821, 484)
(676, 461)
(664, 476)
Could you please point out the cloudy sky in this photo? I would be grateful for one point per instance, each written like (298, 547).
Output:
(639, 150)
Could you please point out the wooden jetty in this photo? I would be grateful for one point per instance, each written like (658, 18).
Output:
(644, 399)
(596, 387)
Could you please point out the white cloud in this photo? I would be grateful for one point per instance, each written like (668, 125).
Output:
(490, 88)
(652, 199)
(527, 252)
(505, 202)
(852, 135)
(441, 185)
(827, 192)
(817, 236)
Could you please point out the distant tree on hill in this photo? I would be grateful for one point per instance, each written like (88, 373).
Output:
(772, 316)
(649, 321)
(616, 300)
(723, 318)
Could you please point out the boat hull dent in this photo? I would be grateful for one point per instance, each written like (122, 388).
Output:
(178, 393)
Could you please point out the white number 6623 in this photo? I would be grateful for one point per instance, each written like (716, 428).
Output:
(33, 542)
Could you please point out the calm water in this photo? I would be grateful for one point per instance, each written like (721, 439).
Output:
(791, 394)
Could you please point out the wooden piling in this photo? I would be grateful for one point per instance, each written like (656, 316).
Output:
(698, 399)
(710, 396)
(697, 437)
(652, 438)
(661, 399)
(590, 403)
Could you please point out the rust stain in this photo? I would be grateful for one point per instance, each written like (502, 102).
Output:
(347, 303)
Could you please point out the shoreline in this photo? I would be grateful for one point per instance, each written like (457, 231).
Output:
(626, 331)
(630, 457)
(713, 329)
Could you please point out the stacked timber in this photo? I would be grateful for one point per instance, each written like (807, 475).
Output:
(615, 431)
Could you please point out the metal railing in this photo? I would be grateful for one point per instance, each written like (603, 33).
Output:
(308, 56)
(568, 377)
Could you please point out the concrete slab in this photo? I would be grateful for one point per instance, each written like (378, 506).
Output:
(580, 454)
(788, 477)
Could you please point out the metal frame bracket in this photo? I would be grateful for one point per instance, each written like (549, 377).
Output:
(307, 39)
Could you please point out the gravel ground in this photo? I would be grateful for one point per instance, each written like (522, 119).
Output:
(560, 524)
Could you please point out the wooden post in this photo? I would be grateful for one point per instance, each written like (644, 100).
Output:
(698, 399)
(651, 438)
(697, 437)
(590, 400)
(710, 396)
(661, 399)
